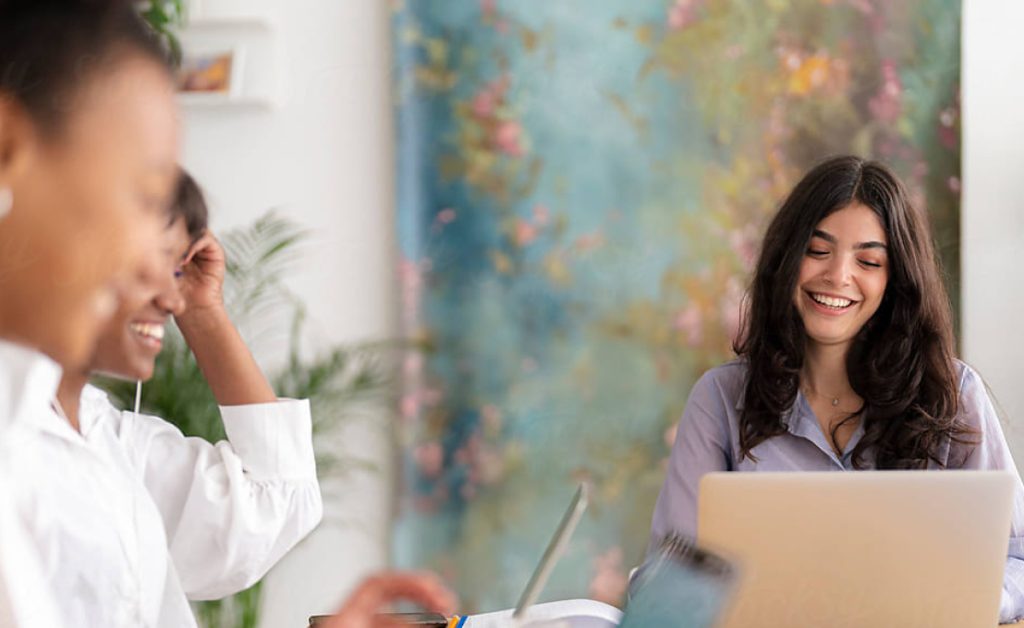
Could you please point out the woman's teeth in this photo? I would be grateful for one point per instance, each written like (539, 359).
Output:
(148, 330)
(831, 301)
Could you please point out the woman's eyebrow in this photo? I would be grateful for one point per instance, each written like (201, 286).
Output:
(824, 235)
(860, 246)
(874, 244)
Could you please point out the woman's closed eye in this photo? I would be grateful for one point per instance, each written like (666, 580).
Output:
(817, 252)
(153, 204)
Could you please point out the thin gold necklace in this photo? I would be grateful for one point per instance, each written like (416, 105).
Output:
(834, 400)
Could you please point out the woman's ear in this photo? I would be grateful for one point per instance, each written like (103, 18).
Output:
(18, 141)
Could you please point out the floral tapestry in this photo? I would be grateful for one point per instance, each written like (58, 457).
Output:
(582, 186)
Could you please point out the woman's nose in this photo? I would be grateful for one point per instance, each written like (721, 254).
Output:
(170, 299)
(838, 271)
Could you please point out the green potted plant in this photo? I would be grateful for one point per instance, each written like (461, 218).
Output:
(165, 16)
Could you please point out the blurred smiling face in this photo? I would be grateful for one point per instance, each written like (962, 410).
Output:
(132, 340)
(843, 275)
(90, 205)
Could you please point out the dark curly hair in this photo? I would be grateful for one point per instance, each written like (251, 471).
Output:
(901, 361)
(189, 205)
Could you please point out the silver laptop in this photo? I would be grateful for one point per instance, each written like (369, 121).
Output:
(556, 547)
(861, 549)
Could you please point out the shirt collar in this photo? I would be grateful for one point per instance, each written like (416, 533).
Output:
(93, 409)
(799, 420)
(28, 382)
(28, 387)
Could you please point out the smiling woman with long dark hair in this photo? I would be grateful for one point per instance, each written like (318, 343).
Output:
(896, 334)
(845, 358)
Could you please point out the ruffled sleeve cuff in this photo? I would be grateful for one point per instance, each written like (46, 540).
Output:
(273, 440)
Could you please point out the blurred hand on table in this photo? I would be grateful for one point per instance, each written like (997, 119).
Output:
(378, 592)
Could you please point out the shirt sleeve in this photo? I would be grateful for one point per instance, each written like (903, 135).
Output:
(701, 446)
(993, 453)
(231, 509)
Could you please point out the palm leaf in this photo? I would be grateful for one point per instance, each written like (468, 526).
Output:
(165, 17)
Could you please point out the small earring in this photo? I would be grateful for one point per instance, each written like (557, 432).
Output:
(6, 201)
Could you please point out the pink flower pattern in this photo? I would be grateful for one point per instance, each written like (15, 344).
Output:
(786, 89)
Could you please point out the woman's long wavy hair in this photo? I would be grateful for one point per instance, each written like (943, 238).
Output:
(900, 363)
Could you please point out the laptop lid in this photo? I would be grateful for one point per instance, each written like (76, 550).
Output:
(555, 549)
(866, 548)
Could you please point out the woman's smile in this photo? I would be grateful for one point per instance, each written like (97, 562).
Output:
(829, 304)
(148, 333)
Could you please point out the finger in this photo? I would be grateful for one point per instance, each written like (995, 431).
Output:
(420, 588)
(348, 619)
(202, 246)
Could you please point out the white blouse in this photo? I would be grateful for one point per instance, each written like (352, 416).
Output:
(28, 380)
(131, 518)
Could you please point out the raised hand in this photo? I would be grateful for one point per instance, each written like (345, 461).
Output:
(202, 279)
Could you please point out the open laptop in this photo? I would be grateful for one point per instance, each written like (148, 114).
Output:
(556, 547)
(863, 549)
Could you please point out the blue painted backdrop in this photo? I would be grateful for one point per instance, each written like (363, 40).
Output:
(582, 186)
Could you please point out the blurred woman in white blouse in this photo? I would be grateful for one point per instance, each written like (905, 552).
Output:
(88, 152)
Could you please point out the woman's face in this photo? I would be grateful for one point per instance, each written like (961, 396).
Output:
(132, 339)
(843, 275)
(90, 205)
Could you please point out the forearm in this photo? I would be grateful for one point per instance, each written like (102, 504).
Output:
(1011, 606)
(231, 510)
(223, 357)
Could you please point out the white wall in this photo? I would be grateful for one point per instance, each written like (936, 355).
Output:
(325, 158)
(992, 253)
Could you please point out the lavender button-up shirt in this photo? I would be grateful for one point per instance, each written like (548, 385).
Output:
(708, 440)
